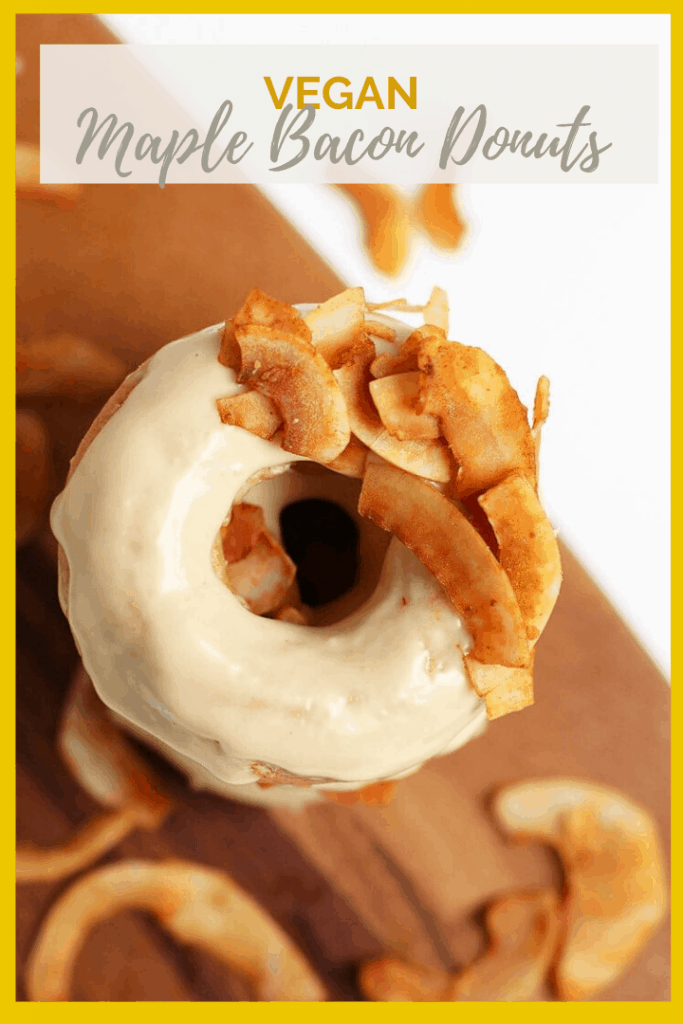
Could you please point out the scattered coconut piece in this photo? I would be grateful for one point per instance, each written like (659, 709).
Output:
(198, 905)
(299, 381)
(97, 837)
(252, 411)
(614, 873)
(400, 305)
(62, 364)
(102, 759)
(29, 185)
(394, 980)
(395, 399)
(436, 310)
(529, 551)
(541, 412)
(387, 222)
(437, 209)
(437, 532)
(428, 459)
(337, 323)
(481, 415)
(405, 360)
(524, 929)
(258, 570)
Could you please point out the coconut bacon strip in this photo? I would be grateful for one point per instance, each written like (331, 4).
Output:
(529, 551)
(198, 905)
(336, 323)
(252, 411)
(395, 399)
(427, 459)
(614, 873)
(504, 689)
(288, 370)
(481, 415)
(445, 542)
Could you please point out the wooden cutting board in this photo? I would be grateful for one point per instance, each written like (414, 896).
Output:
(133, 267)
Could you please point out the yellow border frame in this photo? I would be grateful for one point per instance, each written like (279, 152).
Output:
(299, 1011)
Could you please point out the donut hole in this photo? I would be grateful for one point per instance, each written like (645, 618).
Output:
(312, 512)
(321, 538)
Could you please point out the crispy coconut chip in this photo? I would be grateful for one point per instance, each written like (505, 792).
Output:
(229, 353)
(352, 460)
(393, 980)
(29, 185)
(252, 411)
(400, 305)
(258, 569)
(395, 399)
(288, 613)
(529, 552)
(378, 330)
(261, 310)
(198, 905)
(524, 929)
(432, 527)
(65, 365)
(541, 411)
(387, 224)
(502, 681)
(296, 377)
(438, 212)
(427, 459)
(406, 359)
(436, 310)
(613, 872)
(110, 770)
(337, 323)
(481, 415)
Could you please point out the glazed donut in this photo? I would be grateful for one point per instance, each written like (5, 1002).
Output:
(180, 660)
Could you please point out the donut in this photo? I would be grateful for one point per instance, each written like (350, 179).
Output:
(268, 709)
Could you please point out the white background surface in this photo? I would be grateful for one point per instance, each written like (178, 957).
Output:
(569, 281)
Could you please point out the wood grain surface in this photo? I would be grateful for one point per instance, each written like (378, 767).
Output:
(132, 267)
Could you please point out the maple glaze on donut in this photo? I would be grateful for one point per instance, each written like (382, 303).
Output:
(176, 656)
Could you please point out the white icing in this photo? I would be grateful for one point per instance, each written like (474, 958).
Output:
(173, 652)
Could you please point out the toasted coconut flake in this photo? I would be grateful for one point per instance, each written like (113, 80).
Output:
(29, 185)
(485, 678)
(258, 569)
(103, 760)
(481, 415)
(394, 980)
(436, 310)
(395, 399)
(337, 323)
(432, 527)
(288, 613)
(524, 929)
(378, 794)
(62, 364)
(379, 330)
(387, 224)
(613, 872)
(198, 905)
(428, 459)
(513, 690)
(97, 837)
(229, 353)
(352, 460)
(299, 381)
(541, 411)
(405, 360)
(437, 209)
(261, 310)
(252, 411)
(400, 305)
(529, 551)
